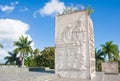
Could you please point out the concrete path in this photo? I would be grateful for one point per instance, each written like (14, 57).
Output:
(99, 77)
(112, 77)
(42, 76)
(25, 76)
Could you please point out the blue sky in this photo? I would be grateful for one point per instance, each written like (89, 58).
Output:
(35, 18)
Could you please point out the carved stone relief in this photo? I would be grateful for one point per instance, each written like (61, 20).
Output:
(74, 34)
(74, 46)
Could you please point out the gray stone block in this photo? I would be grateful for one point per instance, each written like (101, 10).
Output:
(110, 67)
(74, 46)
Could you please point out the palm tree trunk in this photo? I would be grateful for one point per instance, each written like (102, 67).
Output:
(109, 57)
(23, 60)
(20, 61)
(104, 57)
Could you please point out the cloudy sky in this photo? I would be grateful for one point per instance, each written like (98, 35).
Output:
(35, 18)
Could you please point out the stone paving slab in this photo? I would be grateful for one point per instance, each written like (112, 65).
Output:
(42, 76)
(26, 76)
(111, 77)
(99, 77)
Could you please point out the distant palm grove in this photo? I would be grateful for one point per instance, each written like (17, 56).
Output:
(24, 55)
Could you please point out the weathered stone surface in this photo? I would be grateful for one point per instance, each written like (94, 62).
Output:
(110, 67)
(40, 76)
(27, 76)
(8, 69)
(74, 52)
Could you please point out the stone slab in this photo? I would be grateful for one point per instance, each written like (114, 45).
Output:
(110, 67)
(74, 46)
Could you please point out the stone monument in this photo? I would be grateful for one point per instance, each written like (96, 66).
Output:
(74, 50)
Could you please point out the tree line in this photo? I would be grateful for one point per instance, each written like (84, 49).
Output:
(28, 56)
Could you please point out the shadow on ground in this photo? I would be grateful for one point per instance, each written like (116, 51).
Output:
(43, 70)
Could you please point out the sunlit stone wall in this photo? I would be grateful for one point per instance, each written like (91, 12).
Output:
(74, 50)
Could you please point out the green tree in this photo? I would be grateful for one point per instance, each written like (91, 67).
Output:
(39, 60)
(48, 55)
(29, 61)
(36, 52)
(99, 59)
(110, 50)
(23, 47)
(11, 59)
(46, 58)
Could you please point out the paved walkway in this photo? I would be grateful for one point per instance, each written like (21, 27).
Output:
(24, 76)
(112, 77)
(99, 77)
(41, 76)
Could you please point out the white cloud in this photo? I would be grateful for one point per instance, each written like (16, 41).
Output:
(24, 9)
(6, 8)
(55, 6)
(14, 3)
(11, 30)
(50, 8)
(3, 53)
(10, 8)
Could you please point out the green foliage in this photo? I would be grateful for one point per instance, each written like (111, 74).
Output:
(36, 52)
(89, 10)
(99, 59)
(71, 9)
(68, 10)
(11, 59)
(23, 47)
(29, 61)
(111, 50)
(46, 59)
(119, 65)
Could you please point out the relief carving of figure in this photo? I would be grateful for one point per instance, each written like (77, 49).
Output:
(73, 34)
(66, 34)
(76, 36)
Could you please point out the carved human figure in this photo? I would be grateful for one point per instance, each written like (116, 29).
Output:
(76, 33)
(66, 34)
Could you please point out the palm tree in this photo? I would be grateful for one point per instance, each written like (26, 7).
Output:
(99, 59)
(110, 50)
(1, 46)
(23, 47)
(11, 59)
